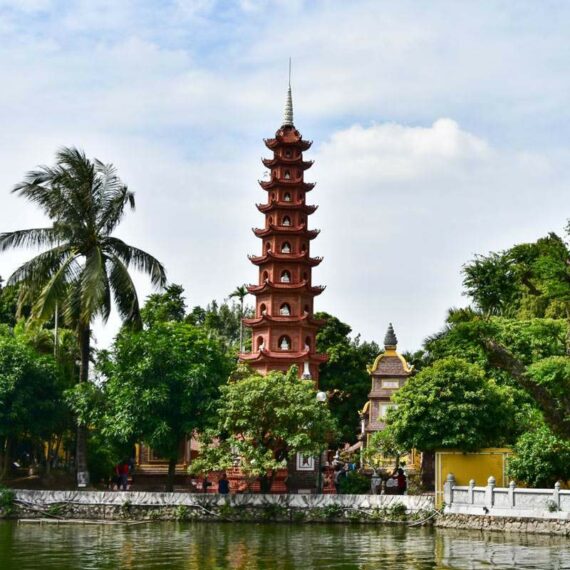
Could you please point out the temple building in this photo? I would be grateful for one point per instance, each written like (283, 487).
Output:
(388, 374)
(283, 328)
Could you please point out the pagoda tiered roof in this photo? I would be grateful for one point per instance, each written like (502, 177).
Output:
(286, 230)
(285, 320)
(271, 162)
(291, 257)
(275, 182)
(283, 355)
(298, 206)
(288, 136)
(269, 286)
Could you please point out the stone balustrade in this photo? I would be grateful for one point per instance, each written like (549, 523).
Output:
(512, 501)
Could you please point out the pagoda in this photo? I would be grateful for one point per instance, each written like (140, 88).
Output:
(284, 328)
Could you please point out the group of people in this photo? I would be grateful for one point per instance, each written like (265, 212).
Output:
(396, 484)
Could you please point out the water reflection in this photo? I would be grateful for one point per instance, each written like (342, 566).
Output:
(281, 547)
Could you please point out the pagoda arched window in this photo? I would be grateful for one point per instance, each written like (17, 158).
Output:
(285, 343)
(305, 276)
(288, 154)
(308, 343)
(262, 309)
(265, 276)
(304, 248)
(260, 343)
(273, 196)
(285, 310)
(287, 175)
(286, 221)
(267, 246)
(286, 247)
(302, 220)
(270, 220)
(306, 309)
(285, 277)
(287, 197)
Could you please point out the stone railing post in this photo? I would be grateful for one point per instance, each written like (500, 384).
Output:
(448, 489)
(512, 494)
(489, 491)
(556, 494)
(471, 492)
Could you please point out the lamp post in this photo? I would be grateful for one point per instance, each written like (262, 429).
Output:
(322, 398)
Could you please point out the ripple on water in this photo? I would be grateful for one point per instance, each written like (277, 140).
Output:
(229, 546)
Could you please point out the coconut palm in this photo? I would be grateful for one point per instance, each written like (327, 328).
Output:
(85, 266)
(240, 293)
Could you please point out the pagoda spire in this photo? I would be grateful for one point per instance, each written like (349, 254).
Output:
(390, 340)
(288, 113)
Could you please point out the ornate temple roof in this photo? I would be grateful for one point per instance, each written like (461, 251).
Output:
(275, 205)
(289, 257)
(390, 362)
(286, 230)
(272, 286)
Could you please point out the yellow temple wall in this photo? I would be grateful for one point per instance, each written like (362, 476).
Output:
(478, 465)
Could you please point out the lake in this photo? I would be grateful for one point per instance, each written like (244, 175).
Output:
(244, 546)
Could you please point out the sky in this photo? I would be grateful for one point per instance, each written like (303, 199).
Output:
(441, 130)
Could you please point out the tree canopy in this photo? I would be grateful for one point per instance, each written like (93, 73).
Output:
(262, 421)
(451, 404)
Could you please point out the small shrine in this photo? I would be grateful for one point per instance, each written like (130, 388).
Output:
(389, 373)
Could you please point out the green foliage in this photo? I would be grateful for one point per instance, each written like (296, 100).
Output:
(8, 304)
(162, 385)
(397, 511)
(30, 390)
(540, 458)
(354, 484)
(264, 420)
(382, 444)
(528, 280)
(55, 510)
(271, 512)
(451, 405)
(345, 376)
(7, 497)
(182, 513)
(164, 307)
(333, 511)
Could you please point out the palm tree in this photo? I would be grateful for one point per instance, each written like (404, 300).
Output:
(84, 266)
(240, 292)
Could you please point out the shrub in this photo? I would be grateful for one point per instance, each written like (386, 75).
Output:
(354, 484)
(332, 511)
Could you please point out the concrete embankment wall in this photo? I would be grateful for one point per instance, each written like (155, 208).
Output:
(95, 505)
(550, 526)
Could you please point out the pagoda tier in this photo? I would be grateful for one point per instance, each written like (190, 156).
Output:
(284, 329)
(286, 230)
(289, 257)
(299, 206)
(273, 287)
(282, 161)
(306, 320)
(276, 183)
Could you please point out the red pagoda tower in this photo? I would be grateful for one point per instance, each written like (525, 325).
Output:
(284, 329)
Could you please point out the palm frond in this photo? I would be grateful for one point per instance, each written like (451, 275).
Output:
(139, 259)
(124, 292)
(35, 237)
(38, 270)
(54, 291)
(94, 285)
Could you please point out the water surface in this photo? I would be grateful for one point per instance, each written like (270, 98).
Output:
(222, 546)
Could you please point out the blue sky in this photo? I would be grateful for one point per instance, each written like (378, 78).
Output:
(440, 130)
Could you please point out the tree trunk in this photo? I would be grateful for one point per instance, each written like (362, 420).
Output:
(241, 349)
(171, 474)
(5, 460)
(81, 443)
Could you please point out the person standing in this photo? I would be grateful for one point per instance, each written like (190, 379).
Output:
(223, 485)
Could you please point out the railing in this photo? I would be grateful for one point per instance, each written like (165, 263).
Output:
(512, 501)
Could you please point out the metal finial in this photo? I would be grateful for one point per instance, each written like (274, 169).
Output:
(390, 338)
(288, 114)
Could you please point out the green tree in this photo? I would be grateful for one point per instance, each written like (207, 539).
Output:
(162, 384)
(30, 395)
(540, 458)
(262, 421)
(451, 404)
(85, 266)
(383, 444)
(166, 306)
(240, 293)
(345, 376)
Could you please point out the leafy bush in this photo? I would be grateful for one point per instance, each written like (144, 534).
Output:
(182, 513)
(6, 500)
(397, 512)
(332, 511)
(354, 484)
